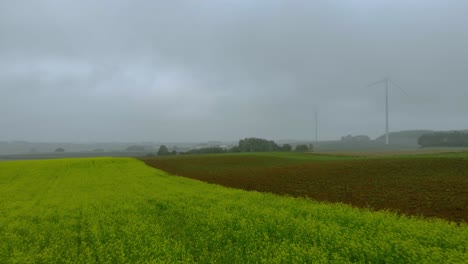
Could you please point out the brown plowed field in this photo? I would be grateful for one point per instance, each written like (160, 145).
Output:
(429, 187)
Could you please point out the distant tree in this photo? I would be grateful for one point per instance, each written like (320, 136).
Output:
(234, 149)
(173, 152)
(302, 148)
(174, 148)
(208, 150)
(257, 145)
(425, 140)
(286, 147)
(163, 151)
(354, 139)
(444, 139)
(59, 150)
(135, 148)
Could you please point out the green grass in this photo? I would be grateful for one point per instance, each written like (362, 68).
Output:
(108, 210)
(280, 155)
(300, 156)
(296, 155)
(462, 155)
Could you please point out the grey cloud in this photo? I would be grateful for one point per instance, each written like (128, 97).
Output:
(198, 70)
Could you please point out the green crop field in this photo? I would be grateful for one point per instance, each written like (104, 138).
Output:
(118, 210)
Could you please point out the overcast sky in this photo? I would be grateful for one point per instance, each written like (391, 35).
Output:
(85, 71)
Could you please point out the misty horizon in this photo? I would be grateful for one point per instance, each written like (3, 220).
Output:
(190, 71)
(291, 140)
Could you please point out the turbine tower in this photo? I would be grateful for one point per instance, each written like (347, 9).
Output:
(386, 81)
(316, 126)
(386, 112)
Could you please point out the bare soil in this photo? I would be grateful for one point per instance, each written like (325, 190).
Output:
(427, 187)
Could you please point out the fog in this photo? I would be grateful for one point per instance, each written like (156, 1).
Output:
(88, 71)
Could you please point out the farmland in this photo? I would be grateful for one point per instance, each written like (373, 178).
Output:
(117, 210)
(433, 185)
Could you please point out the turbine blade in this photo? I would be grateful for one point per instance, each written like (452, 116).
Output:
(397, 86)
(375, 83)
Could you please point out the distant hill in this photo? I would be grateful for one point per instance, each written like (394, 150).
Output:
(24, 147)
(33, 148)
(406, 137)
(401, 140)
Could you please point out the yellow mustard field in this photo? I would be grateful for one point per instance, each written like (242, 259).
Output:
(118, 210)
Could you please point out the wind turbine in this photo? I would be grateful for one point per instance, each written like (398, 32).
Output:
(387, 81)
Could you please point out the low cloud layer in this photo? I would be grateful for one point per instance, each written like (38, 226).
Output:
(200, 70)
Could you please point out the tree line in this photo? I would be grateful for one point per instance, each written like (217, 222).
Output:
(245, 145)
(444, 139)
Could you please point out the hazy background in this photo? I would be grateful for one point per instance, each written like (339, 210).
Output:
(133, 70)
